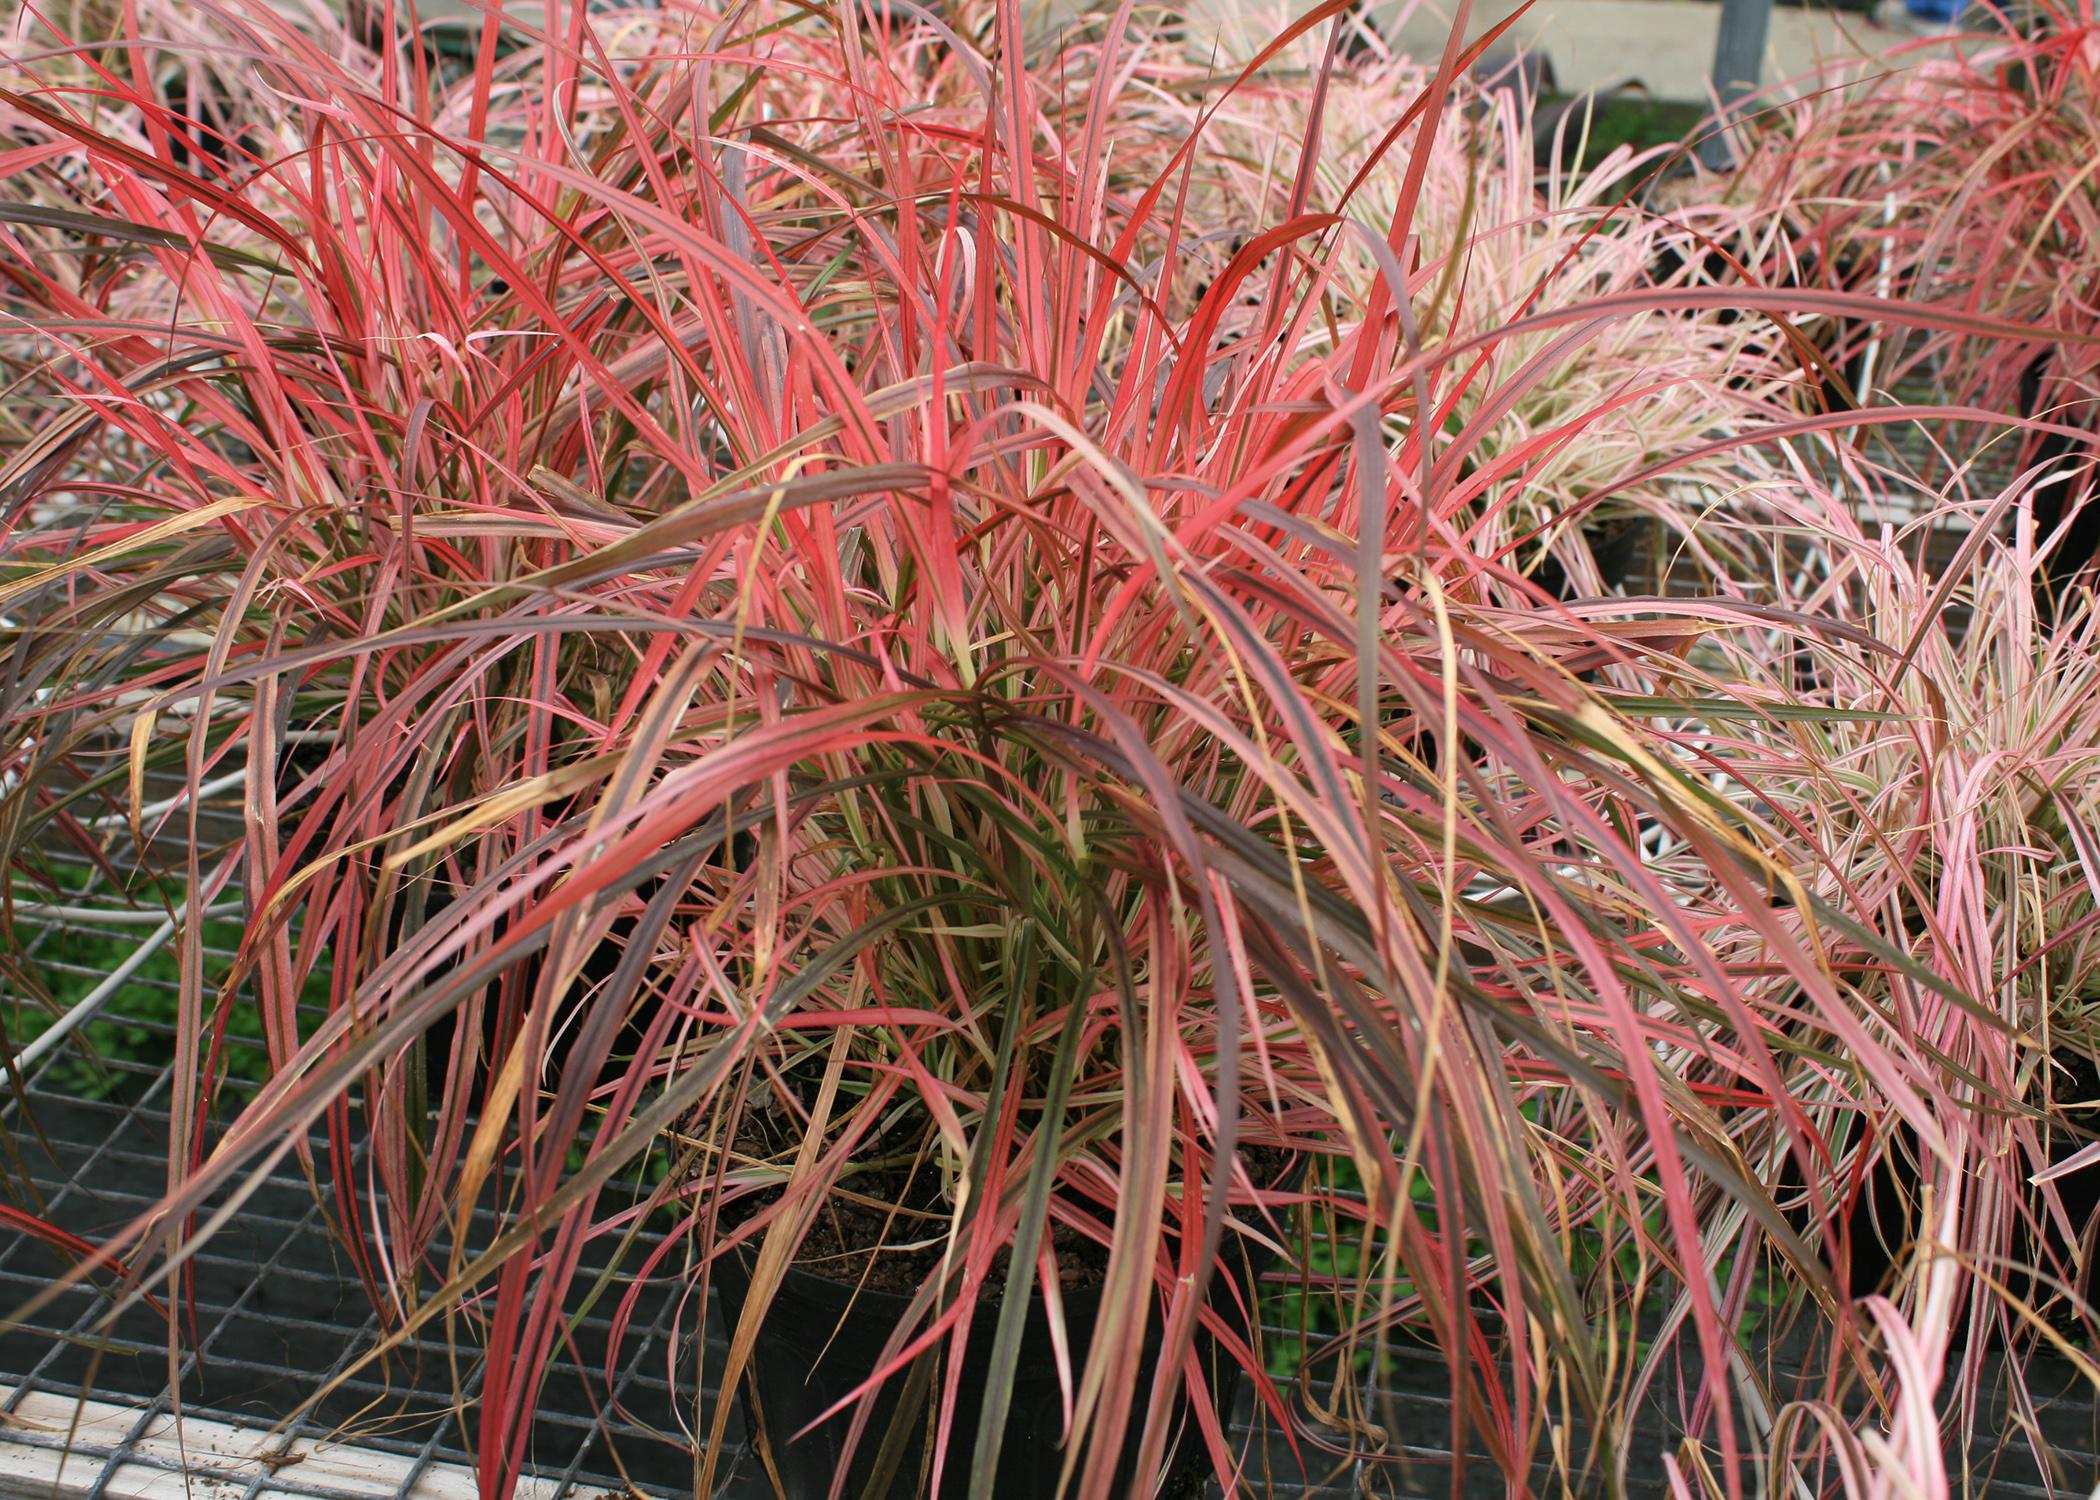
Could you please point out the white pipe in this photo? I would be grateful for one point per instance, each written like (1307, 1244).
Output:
(212, 788)
(153, 810)
(118, 916)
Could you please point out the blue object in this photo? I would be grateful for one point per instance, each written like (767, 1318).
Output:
(1942, 12)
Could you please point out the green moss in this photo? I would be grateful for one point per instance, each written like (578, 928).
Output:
(66, 962)
(1625, 120)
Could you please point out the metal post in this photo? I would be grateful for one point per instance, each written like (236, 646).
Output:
(1739, 60)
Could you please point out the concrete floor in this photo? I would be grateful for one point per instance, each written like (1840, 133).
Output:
(1664, 46)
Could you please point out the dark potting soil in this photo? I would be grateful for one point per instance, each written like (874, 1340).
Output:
(891, 1234)
(846, 1244)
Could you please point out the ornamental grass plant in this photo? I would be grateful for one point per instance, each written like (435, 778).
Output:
(846, 615)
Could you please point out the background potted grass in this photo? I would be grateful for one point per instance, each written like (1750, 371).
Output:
(1567, 463)
(865, 629)
(1933, 776)
(1884, 173)
(1913, 736)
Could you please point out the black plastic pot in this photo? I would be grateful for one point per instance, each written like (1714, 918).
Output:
(821, 1338)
